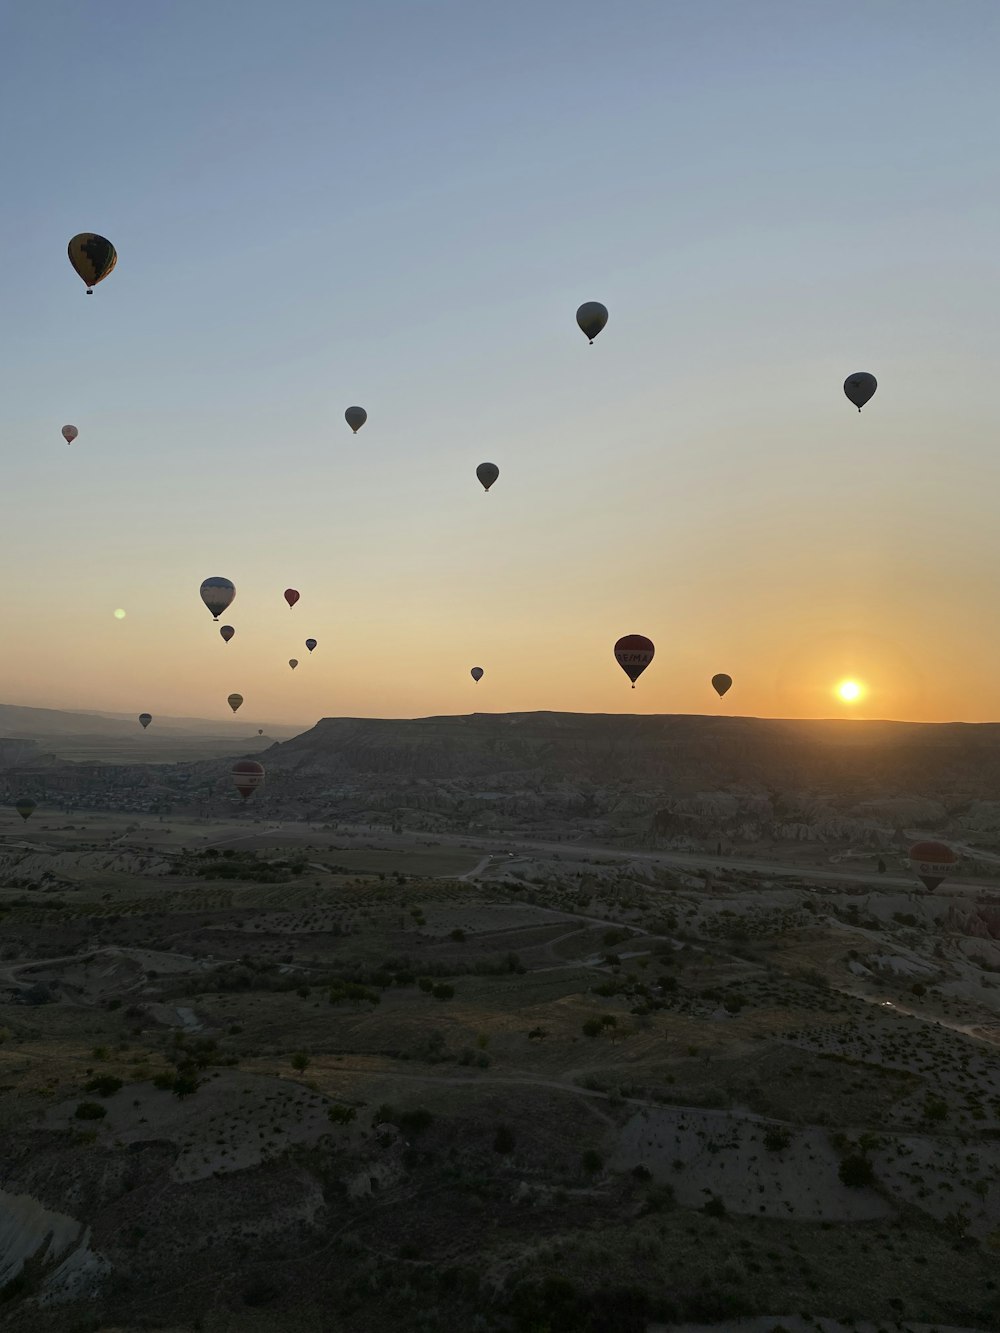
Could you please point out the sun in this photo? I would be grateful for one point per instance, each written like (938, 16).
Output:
(849, 691)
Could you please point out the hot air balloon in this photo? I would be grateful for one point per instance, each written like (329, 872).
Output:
(931, 862)
(721, 683)
(477, 674)
(293, 662)
(234, 701)
(633, 653)
(25, 808)
(69, 433)
(217, 593)
(859, 387)
(291, 597)
(248, 775)
(310, 644)
(355, 418)
(227, 632)
(145, 719)
(487, 474)
(93, 257)
(260, 732)
(592, 317)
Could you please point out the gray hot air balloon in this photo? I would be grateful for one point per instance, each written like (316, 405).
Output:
(217, 593)
(859, 387)
(145, 719)
(293, 662)
(721, 683)
(487, 474)
(355, 418)
(477, 674)
(592, 317)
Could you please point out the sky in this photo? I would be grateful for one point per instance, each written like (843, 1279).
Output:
(401, 205)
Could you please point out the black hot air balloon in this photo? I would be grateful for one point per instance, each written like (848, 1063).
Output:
(217, 593)
(721, 683)
(633, 653)
(592, 317)
(145, 719)
(25, 808)
(93, 257)
(931, 862)
(477, 674)
(227, 632)
(355, 418)
(310, 644)
(487, 474)
(859, 387)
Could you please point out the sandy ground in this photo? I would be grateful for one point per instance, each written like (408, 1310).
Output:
(234, 1121)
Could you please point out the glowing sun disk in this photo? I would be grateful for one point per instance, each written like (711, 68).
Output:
(849, 691)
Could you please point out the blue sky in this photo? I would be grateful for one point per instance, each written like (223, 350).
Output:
(401, 205)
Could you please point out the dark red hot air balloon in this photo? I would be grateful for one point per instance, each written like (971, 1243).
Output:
(291, 596)
(633, 653)
(931, 862)
(248, 775)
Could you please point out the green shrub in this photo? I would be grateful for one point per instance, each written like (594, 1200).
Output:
(90, 1111)
(105, 1085)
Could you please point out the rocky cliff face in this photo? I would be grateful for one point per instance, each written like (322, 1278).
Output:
(874, 760)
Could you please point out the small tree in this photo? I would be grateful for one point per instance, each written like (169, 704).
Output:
(90, 1111)
(856, 1172)
(504, 1139)
(341, 1115)
(300, 1061)
(105, 1085)
(185, 1085)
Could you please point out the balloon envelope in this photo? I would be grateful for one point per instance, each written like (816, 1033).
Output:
(217, 593)
(487, 474)
(592, 317)
(25, 808)
(92, 256)
(931, 862)
(859, 387)
(633, 653)
(477, 674)
(291, 596)
(721, 683)
(248, 775)
(293, 662)
(355, 418)
(69, 433)
(145, 719)
(234, 701)
(310, 644)
(227, 632)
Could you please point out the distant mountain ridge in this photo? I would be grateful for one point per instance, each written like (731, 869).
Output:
(118, 738)
(22, 722)
(679, 751)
